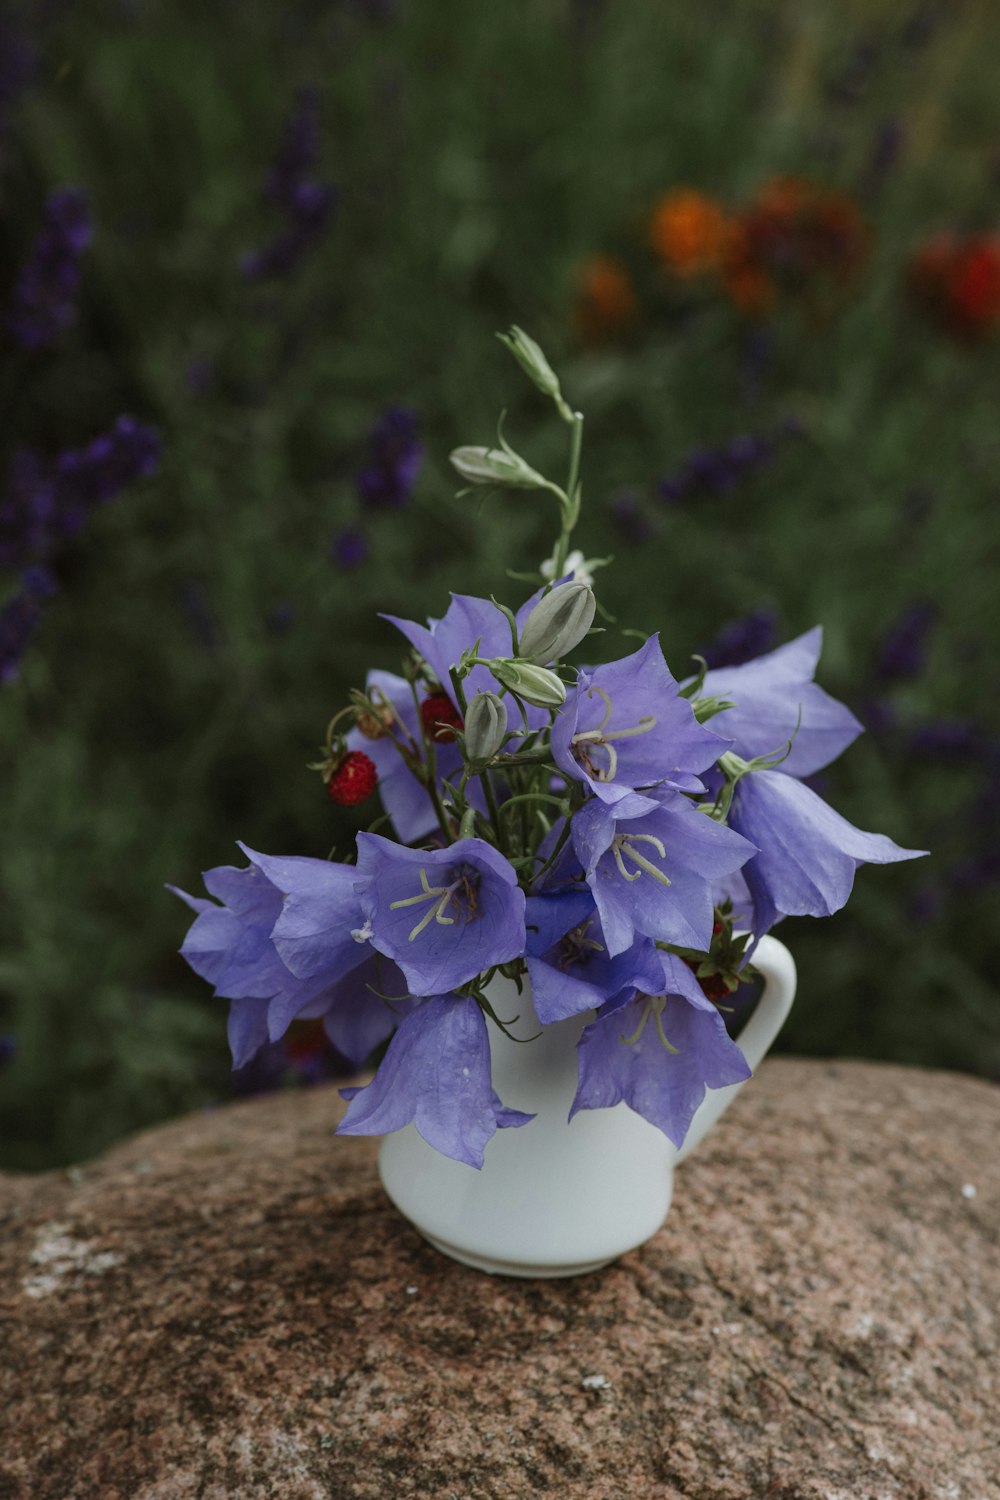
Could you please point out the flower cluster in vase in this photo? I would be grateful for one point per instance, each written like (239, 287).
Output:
(614, 838)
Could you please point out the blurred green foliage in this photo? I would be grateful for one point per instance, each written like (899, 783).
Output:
(482, 154)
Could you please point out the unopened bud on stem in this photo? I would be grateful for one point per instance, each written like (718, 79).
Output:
(535, 685)
(497, 467)
(532, 361)
(485, 727)
(557, 623)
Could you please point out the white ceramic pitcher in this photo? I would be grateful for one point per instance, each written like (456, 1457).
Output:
(556, 1198)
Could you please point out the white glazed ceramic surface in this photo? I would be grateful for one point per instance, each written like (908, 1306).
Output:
(558, 1199)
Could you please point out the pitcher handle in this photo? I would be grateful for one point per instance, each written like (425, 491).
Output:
(777, 968)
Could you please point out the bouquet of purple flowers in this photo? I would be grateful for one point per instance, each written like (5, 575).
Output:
(616, 838)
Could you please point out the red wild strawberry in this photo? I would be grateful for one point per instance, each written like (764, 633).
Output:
(715, 987)
(440, 718)
(353, 781)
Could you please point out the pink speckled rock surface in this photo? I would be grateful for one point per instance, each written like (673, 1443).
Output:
(227, 1308)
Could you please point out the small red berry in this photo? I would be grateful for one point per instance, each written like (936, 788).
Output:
(714, 987)
(440, 718)
(353, 781)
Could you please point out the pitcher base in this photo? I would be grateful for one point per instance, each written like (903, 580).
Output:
(495, 1267)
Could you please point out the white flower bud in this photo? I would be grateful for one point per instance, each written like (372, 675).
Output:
(531, 359)
(535, 685)
(485, 727)
(497, 467)
(558, 622)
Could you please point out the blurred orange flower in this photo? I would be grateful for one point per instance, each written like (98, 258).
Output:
(605, 301)
(688, 231)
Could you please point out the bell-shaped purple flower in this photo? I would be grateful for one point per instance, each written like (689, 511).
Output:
(323, 970)
(568, 962)
(626, 726)
(364, 1007)
(468, 620)
(229, 945)
(807, 852)
(444, 915)
(650, 863)
(773, 695)
(318, 914)
(436, 1074)
(658, 1053)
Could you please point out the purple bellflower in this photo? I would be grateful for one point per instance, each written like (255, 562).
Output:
(229, 945)
(808, 853)
(232, 946)
(443, 915)
(650, 863)
(435, 1075)
(626, 726)
(568, 962)
(775, 698)
(658, 1052)
(467, 620)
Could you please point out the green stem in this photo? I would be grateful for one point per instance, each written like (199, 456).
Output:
(560, 846)
(571, 510)
(491, 801)
(536, 797)
(535, 758)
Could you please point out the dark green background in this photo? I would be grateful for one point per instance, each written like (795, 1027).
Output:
(482, 152)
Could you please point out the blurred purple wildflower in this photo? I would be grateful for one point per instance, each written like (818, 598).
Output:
(711, 471)
(45, 294)
(8, 1047)
(50, 501)
(307, 203)
(902, 652)
(393, 460)
(742, 639)
(629, 516)
(349, 548)
(956, 741)
(20, 618)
